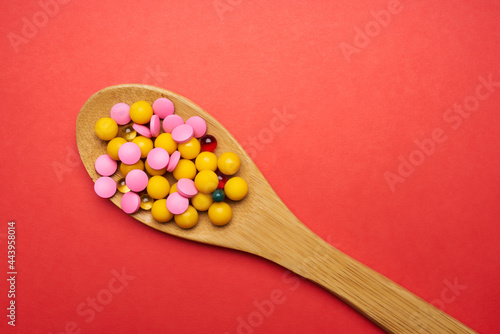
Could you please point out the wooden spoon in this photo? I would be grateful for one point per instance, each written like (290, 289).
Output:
(264, 226)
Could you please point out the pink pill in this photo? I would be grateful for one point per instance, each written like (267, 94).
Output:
(155, 125)
(182, 133)
(105, 166)
(136, 180)
(177, 204)
(172, 121)
(105, 187)
(186, 188)
(129, 153)
(198, 124)
(163, 107)
(174, 160)
(142, 130)
(120, 112)
(130, 202)
(157, 158)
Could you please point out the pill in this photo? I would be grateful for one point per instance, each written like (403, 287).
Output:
(105, 187)
(236, 188)
(157, 158)
(142, 130)
(201, 201)
(113, 147)
(122, 186)
(141, 112)
(184, 169)
(128, 132)
(166, 142)
(206, 160)
(182, 133)
(228, 163)
(163, 107)
(222, 179)
(154, 172)
(208, 143)
(160, 212)
(206, 181)
(120, 112)
(186, 188)
(136, 180)
(106, 128)
(125, 169)
(220, 213)
(105, 166)
(173, 188)
(177, 204)
(158, 187)
(187, 219)
(144, 143)
(218, 195)
(189, 150)
(198, 124)
(130, 202)
(173, 161)
(146, 201)
(155, 125)
(129, 153)
(171, 122)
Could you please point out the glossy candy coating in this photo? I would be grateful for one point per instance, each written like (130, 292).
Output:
(128, 132)
(146, 202)
(122, 186)
(218, 195)
(222, 179)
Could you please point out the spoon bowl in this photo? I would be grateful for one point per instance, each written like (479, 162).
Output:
(264, 226)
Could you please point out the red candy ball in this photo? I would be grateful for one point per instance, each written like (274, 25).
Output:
(222, 179)
(208, 143)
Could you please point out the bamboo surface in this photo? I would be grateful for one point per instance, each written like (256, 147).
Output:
(264, 226)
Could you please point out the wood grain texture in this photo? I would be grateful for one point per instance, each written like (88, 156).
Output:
(264, 226)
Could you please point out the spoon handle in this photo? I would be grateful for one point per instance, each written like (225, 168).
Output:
(390, 306)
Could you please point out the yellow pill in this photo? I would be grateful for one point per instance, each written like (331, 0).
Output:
(191, 149)
(158, 187)
(173, 188)
(220, 213)
(160, 212)
(185, 169)
(124, 169)
(206, 160)
(236, 188)
(206, 181)
(201, 201)
(166, 142)
(141, 112)
(113, 147)
(228, 163)
(187, 219)
(145, 144)
(154, 172)
(106, 128)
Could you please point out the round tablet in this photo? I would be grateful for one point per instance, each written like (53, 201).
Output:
(186, 188)
(136, 180)
(177, 204)
(105, 166)
(129, 153)
(130, 202)
(198, 124)
(163, 107)
(174, 160)
(182, 133)
(120, 112)
(142, 130)
(105, 187)
(172, 121)
(155, 126)
(157, 158)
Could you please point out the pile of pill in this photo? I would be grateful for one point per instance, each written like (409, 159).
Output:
(146, 154)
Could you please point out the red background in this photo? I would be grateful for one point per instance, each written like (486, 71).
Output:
(354, 116)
